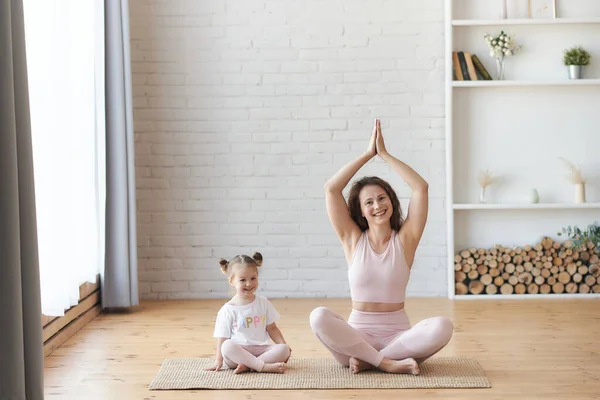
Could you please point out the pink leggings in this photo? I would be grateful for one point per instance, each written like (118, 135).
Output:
(253, 356)
(371, 336)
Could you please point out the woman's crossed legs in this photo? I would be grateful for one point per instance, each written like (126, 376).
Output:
(382, 340)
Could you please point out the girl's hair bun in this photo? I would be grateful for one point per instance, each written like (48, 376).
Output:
(223, 264)
(258, 258)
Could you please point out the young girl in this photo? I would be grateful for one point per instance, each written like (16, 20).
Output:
(246, 323)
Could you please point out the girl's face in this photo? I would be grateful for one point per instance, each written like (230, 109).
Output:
(375, 205)
(245, 280)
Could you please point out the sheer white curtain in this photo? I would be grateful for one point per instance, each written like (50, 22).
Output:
(65, 59)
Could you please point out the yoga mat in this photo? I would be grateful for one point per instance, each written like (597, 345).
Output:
(319, 373)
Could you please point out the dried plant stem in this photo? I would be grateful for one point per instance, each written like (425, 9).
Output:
(485, 178)
(574, 175)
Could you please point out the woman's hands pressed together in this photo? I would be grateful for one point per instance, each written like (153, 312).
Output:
(376, 142)
(379, 143)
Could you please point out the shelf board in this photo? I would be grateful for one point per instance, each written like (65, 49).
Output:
(524, 21)
(546, 82)
(526, 206)
(525, 296)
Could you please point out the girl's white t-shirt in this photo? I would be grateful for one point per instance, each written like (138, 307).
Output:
(247, 324)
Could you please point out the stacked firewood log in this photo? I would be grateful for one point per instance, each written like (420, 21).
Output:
(547, 267)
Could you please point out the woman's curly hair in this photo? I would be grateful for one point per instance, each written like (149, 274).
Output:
(396, 220)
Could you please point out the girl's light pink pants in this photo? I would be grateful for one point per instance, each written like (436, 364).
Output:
(253, 356)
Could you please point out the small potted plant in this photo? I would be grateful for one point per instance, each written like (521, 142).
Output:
(575, 58)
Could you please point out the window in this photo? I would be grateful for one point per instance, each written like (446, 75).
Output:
(65, 62)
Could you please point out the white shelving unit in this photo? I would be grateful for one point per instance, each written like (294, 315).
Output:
(527, 296)
(532, 22)
(538, 206)
(546, 82)
(518, 128)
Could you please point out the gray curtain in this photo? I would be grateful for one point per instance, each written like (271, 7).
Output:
(21, 352)
(119, 281)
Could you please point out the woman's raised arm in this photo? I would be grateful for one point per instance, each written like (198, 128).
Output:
(416, 218)
(346, 229)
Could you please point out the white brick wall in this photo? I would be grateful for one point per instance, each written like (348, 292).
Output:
(243, 109)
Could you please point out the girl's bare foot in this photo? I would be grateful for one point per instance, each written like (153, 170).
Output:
(357, 365)
(406, 366)
(278, 368)
(241, 368)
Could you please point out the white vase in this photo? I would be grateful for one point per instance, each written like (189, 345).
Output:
(579, 193)
(482, 198)
(500, 68)
(534, 196)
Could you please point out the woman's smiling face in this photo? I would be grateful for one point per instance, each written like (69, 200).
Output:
(375, 205)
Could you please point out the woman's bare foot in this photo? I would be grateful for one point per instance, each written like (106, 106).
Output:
(357, 365)
(278, 368)
(406, 366)
(241, 368)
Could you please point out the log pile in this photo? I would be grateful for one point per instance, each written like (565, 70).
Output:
(547, 267)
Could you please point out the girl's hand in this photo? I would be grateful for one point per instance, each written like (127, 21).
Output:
(216, 367)
(380, 145)
(372, 149)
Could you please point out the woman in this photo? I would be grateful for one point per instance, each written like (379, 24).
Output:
(380, 248)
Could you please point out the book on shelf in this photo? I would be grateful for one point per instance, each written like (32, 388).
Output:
(481, 69)
(464, 68)
(456, 67)
(468, 67)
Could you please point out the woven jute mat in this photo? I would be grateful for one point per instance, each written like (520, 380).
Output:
(319, 373)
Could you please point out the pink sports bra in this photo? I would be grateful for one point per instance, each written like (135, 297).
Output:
(378, 278)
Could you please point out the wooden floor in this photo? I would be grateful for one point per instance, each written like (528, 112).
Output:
(530, 349)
